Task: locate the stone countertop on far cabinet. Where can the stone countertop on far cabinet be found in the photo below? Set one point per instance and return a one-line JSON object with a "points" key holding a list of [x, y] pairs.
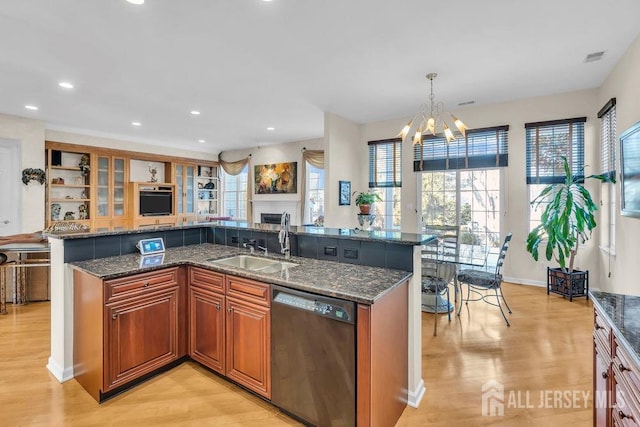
{"points": [[623, 313], [352, 282]]}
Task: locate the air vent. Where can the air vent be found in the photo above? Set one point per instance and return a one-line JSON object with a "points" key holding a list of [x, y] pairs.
{"points": [[595, 56], [466, 103]]}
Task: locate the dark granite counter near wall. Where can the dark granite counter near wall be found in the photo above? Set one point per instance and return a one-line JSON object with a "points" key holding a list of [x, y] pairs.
{"points": [[623, 313], [357, 283]]}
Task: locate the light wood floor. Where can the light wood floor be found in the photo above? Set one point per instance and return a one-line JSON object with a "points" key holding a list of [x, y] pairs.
{"points": [[547, 349]]}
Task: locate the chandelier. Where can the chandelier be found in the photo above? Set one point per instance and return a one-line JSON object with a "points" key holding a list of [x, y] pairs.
{"points": [[428, 121]]}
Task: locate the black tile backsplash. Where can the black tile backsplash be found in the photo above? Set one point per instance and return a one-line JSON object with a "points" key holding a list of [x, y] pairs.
{"points": [[375, 254]]}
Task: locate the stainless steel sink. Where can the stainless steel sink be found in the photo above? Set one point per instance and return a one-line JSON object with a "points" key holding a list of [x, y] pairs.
{"points": [[253, 263]]}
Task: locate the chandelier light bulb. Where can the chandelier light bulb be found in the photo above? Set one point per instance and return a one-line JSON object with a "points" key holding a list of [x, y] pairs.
{"points": [[417, 138], [431, 125], [447, 133], [461, 126], [405, 130]]}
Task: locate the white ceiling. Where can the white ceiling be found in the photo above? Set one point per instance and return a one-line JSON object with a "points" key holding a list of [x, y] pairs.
{"points": [[250, 64]]}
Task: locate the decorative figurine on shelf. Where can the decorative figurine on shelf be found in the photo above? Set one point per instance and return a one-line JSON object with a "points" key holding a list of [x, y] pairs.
{"points": [[82, 210], [55, 211], [69, 215], [84, 164], [153, 171]]}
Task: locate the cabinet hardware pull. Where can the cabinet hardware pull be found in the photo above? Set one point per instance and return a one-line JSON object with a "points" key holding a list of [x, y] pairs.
{"points": [[623, 415], [146, 284], [623, 368], [599, 327], [218, 307], [114, 316], [229, 310], [605, 375]]}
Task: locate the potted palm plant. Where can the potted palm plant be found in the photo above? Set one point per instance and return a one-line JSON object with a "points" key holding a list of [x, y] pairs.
{"points": [[364, 200], [566, 221]]}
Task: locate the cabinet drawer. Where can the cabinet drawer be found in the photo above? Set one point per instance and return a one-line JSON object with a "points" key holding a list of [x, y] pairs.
{"points": [[139, 284], [624, 411], [248, 290], [602, 330], [206, 279], [626, 368]]}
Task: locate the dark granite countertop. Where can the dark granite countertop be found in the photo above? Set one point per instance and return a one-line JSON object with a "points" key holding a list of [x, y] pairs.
{"points": [[357, 283], [623, 312], [397, 237]]}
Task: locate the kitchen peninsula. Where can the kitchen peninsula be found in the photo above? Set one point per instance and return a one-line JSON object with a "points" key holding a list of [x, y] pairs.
{"points": [[371, 267]]}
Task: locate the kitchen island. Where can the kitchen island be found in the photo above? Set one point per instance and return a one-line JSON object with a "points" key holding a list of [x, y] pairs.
{"points": [[391, 250], [150, 311]]}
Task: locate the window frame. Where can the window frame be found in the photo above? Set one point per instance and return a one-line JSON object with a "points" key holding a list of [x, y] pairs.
{"points": [[238, 201]]}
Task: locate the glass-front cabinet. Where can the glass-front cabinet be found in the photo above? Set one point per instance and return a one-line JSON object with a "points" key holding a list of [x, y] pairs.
{"points": [[185, 194], [110, 187]]}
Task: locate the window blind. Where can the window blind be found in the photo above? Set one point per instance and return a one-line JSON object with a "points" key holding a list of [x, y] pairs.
{"points": [[480, 148], [385, 163], [607, 116], [547, 143]]}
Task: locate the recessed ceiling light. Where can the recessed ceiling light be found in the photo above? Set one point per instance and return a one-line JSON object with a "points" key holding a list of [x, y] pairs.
{"points": [[195, 112], [201, 141], [270, 128], [31, 107], [138, 2], [136, 124], [466, 103], [66, 85]]}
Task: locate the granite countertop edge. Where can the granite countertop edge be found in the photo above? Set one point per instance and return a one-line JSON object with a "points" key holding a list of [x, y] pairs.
{"points": [[396, 237], [358, 283], [633, 350]]}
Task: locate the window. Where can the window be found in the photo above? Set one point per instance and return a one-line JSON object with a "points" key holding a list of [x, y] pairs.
{"points": [[234, 195], [547, 143], [462, 185], [471, 198], [385, 177], [315, 196], [607, 116]]}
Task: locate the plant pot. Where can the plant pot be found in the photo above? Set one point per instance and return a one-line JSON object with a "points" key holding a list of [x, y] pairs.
{"points": [[574, 284], [365, 209]]}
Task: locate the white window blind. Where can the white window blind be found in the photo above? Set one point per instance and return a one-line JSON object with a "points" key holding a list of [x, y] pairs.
{"points": [[385, 163], [607, 116]]}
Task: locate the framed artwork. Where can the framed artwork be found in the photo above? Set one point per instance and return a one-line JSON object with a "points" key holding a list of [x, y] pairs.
{"points": [[344, 191], [276, 178], [630, 171]]}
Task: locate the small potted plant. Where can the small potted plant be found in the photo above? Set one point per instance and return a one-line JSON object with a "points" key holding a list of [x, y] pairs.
{"points": [[364, 200], [566, 221]]}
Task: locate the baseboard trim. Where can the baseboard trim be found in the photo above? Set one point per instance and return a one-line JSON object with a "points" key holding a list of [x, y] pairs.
{"points": [[57, 371], [416, 395]]}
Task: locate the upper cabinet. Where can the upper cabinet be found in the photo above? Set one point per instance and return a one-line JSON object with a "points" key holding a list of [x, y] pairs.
{"points": [[208, 186], [184, 178], [110, 178], [68, 195]]}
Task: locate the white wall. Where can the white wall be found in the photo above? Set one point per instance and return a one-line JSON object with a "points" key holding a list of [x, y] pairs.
{"points": [[623, 83], [30, 134], [346, 159]]}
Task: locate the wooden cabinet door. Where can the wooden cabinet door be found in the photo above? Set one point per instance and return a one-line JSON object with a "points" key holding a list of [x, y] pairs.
{"points": [[141, 335], [601, 403], [248, 337], [206, 328]]}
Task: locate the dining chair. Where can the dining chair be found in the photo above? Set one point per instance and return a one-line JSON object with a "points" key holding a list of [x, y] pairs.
{"points": [[437, 274], [481, 281]]}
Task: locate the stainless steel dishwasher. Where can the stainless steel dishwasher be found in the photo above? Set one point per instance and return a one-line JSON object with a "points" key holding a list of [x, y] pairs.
{"points": [[313, 340]]}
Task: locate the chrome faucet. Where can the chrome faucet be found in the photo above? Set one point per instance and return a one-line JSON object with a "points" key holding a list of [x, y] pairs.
{"points": [[251, 244], [283, 236]]}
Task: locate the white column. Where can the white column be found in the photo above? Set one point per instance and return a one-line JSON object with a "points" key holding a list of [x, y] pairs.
{"points": [[60, 362], [416, 383]]}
